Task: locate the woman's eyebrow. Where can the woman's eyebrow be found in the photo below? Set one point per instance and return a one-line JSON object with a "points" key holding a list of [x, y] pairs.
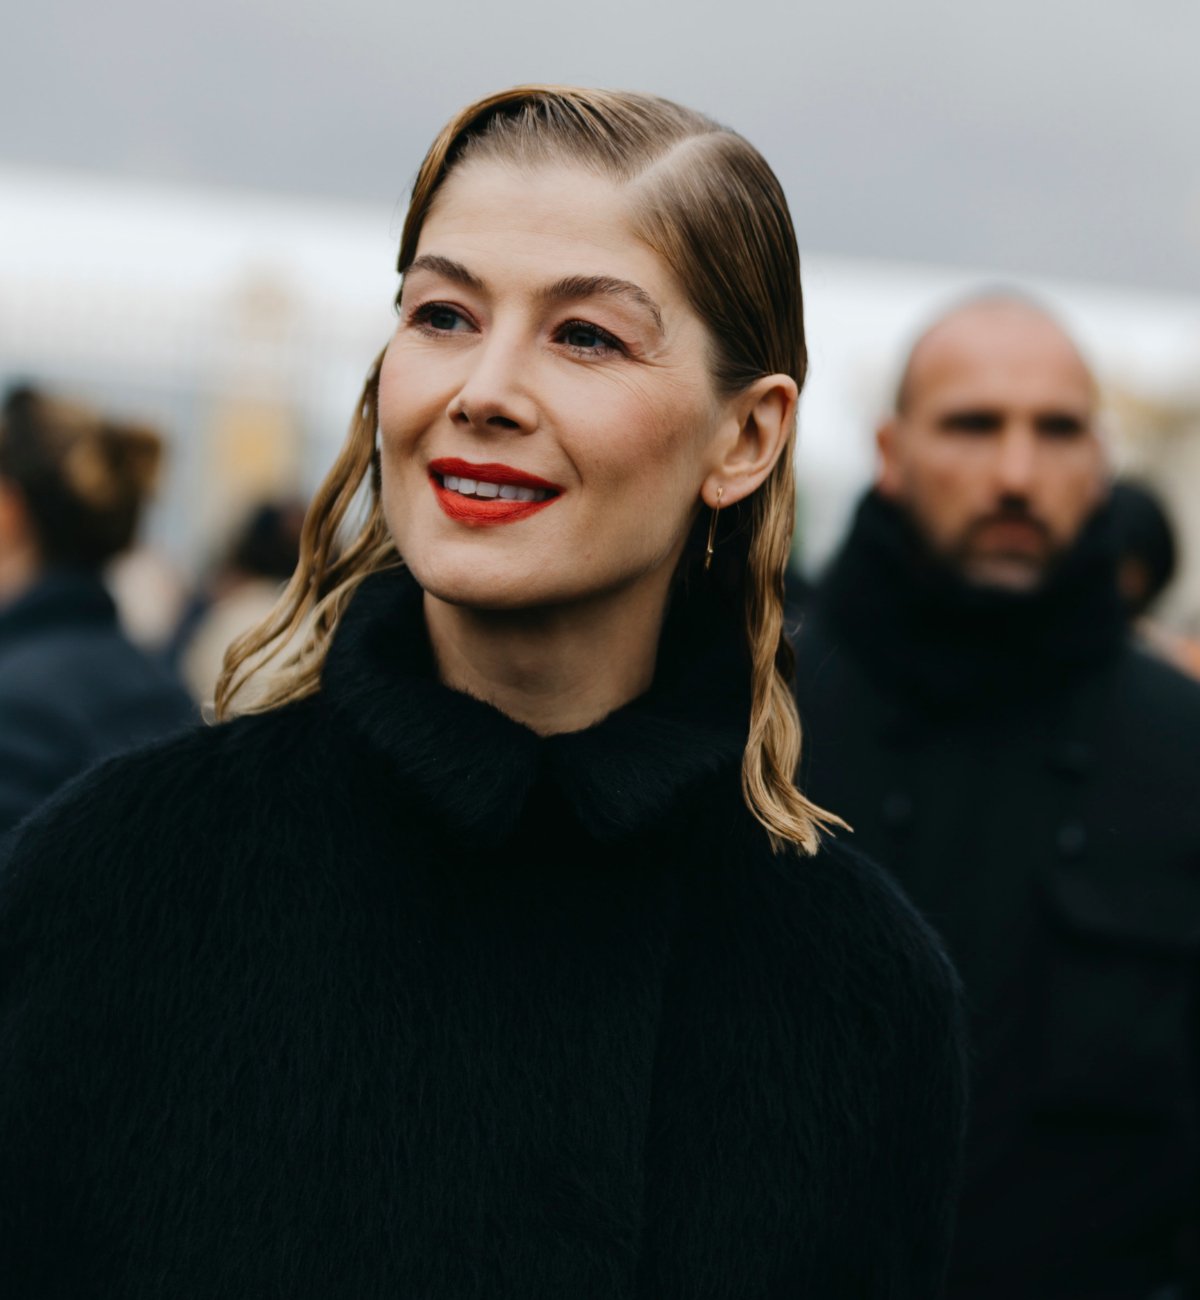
{"points": [[588, 286], [570, 286], [446, 267]]}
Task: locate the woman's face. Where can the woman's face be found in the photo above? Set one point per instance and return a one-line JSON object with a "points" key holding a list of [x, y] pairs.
{"points": [[546, 410]]}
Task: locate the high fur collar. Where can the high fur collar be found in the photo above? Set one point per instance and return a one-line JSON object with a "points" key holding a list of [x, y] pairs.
{"points": [[919, 627], [475, 768]]}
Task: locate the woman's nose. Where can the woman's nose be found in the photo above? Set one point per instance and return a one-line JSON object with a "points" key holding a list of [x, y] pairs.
{"points": [[495, 393]]}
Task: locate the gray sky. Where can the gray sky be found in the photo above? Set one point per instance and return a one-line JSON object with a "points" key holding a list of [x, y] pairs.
{"points": [[1048, 136]]}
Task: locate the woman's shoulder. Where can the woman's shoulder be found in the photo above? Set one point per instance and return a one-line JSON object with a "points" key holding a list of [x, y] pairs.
{"points": [[841, 915], [864, 969], [861, 894], [126, 816]]}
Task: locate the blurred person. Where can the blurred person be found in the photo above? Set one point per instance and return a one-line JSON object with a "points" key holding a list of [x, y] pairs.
{"points": [[495, 953], [1146, 549], [976, 709], [72, 688], [241, 593], [1146, 557], [152, 597]]}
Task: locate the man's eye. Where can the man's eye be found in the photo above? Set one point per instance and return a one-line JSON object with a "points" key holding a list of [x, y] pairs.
{"points": [[972, 422], [1060, 426]]}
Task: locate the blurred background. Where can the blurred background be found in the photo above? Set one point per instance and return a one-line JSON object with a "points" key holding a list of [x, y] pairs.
{"points": [[200, 205]]}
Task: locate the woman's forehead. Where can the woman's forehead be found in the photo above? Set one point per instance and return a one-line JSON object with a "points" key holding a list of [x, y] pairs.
{"points": [[549, 219]]}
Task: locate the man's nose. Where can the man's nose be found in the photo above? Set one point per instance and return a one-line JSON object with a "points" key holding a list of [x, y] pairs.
{"points": [[1016, 466], [495, 393]]}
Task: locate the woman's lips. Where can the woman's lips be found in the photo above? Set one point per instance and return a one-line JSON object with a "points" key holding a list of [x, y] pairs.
{"points": [[488, 494]]}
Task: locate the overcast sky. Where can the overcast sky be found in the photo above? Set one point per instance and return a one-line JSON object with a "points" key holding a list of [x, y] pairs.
{"points": [[1057, 137]]}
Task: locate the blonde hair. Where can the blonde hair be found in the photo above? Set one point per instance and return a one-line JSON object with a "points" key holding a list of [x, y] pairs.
{"points": [[705, 200]]}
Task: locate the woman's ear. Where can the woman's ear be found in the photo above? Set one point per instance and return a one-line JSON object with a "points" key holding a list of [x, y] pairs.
{"points": [[751, 439]]}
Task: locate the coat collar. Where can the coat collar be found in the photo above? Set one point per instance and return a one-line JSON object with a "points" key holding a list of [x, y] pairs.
{"points": [[476, 768], [917, 626], [62, 598]]}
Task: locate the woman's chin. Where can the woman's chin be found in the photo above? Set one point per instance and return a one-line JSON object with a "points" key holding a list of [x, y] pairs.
{"points": [[496, 588]]}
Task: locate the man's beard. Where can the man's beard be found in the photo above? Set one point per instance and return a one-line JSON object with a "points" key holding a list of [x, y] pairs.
{"points": [[1013, 568]]}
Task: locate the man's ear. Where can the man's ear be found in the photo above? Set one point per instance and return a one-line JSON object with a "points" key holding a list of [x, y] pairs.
{"points": [[887, 470], [752, 439]]}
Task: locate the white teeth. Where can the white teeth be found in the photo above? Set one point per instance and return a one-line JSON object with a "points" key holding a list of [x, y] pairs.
{"points": [[480, 488]]}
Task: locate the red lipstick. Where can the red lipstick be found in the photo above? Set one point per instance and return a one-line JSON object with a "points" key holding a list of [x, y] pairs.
{"points": [[478, 511]]}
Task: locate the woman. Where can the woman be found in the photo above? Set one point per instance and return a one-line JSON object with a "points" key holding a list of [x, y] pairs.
{"points": [[499, 955], [73, 689]]}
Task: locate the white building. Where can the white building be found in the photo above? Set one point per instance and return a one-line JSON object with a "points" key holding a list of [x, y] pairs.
{"points": [[243, 325]]}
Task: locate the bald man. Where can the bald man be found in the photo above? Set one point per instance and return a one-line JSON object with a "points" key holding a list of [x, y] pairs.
{"points": [[993, 448], [974, 707]]}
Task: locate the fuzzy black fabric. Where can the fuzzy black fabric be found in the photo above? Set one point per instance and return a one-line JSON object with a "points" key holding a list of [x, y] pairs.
{"points": [[73, 690], [381, 995], [949, 645], [1030, 778]]}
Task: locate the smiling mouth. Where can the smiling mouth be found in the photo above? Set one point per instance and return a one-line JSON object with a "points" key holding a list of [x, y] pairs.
{"points": [[480, 495], [482, 490]]}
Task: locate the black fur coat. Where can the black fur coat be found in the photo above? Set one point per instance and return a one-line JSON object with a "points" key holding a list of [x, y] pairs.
{"points": [[381, 995]]}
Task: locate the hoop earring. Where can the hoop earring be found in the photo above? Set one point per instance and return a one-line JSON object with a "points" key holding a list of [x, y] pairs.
{"points": [[712, 531]]}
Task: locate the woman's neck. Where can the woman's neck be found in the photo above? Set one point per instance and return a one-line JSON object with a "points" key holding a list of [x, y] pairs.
{"points": [[554, 670]]}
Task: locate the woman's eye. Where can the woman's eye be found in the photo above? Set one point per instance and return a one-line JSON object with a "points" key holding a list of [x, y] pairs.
{"points": [[583, 337], [438, 317]]}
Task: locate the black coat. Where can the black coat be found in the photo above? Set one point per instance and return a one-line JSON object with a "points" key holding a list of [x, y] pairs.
{"points": [[1033, 781], [381, 995], [73, 690]]}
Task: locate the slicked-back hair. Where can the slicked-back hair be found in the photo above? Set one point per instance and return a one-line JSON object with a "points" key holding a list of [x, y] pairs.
{"points": [[706, 202]]}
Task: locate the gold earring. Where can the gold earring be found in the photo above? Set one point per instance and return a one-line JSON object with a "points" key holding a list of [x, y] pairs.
{"points": [[712, 531]]}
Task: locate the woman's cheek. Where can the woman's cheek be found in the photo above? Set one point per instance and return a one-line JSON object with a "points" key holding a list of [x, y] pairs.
{"points": [[664, 442]]}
